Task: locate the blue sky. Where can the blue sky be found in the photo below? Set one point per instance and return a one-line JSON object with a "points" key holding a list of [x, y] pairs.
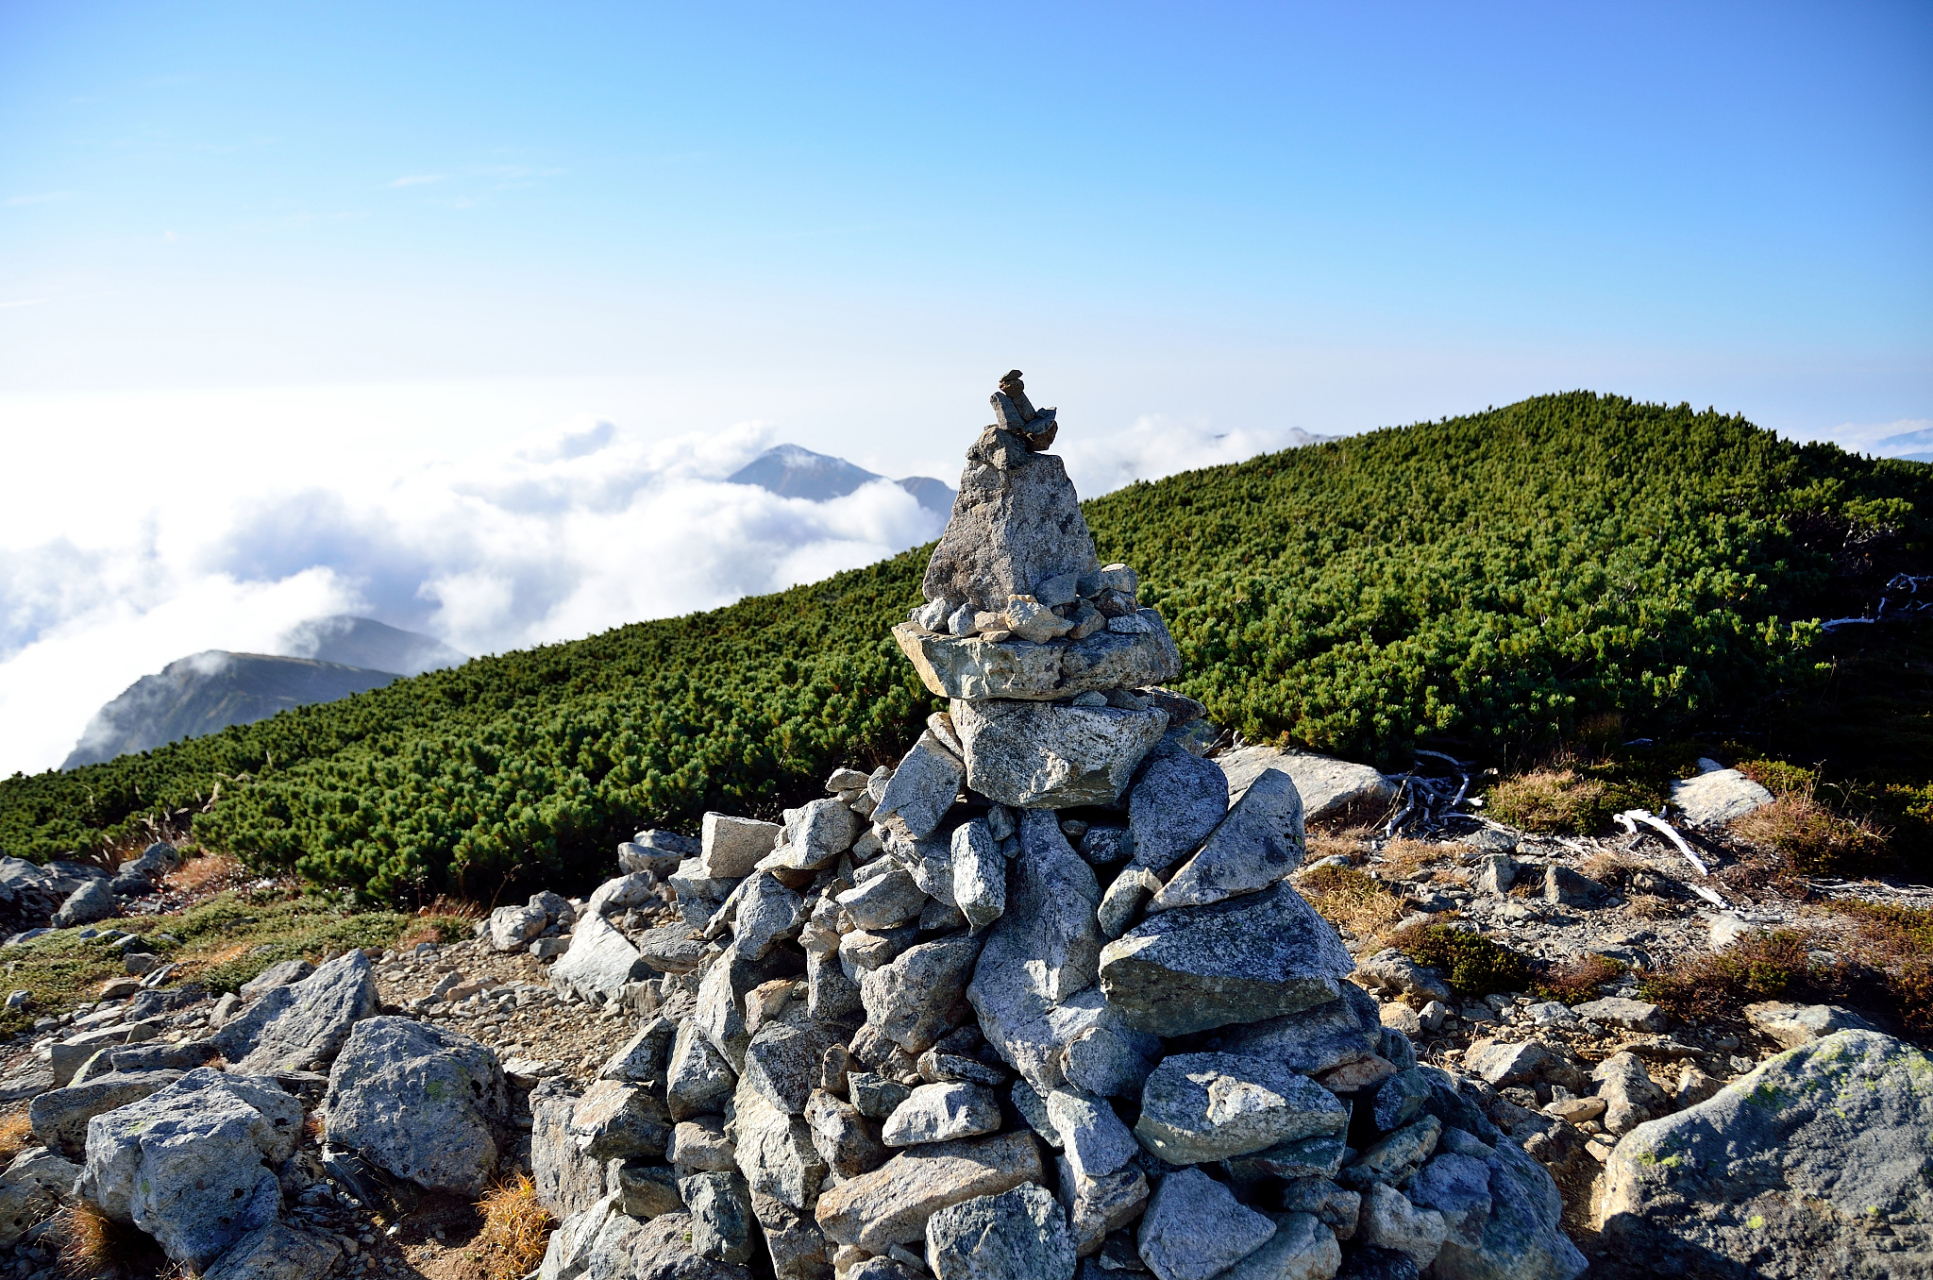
{"points": [[314, 257]]}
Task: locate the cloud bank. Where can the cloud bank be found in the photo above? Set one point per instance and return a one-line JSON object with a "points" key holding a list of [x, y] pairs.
{"points": [[560, 535]]}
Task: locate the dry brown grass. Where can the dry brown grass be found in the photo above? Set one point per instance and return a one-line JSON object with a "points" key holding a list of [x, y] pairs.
{"points": [[208, 873], [1609, 867], [1352, 900], [515, 1230], [16, 1135], [1649, 906], [1549, 800], [1409, 859], [1811, 838], [95, 1247], [1328, 844], [1895, 944], [444, 920]]}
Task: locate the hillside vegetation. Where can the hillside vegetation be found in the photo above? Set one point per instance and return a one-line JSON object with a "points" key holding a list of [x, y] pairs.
{"points": [[1485, 582]]}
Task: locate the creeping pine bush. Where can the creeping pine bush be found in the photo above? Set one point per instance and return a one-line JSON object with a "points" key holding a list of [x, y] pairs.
{"points": [[1473, 964], [1493, 580]]}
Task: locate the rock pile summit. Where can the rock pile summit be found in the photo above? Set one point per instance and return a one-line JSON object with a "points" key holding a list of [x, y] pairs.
{"points": [[1038, 1001]]}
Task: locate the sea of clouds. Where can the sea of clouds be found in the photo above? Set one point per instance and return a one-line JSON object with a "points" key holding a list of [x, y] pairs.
{"points": [[557, 536]]}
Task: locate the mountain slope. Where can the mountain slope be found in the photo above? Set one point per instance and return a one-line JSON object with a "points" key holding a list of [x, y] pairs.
{"points": [[208, 692], [1483, 582], [792, 472]]}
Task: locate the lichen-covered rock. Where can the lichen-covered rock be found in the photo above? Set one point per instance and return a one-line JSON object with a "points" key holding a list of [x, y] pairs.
{"points": [[1196, 968], [1717, 796], [775, 1151], [193, 1164], [721, 1215], [567, 1180], [661, 1249], [1329, 788], [1391, 1222], [1302, 1248], [302, 1026], [979, 874], [1016, 1235], [1173, 806], [1811, 1165], [615, 1119], [59, 1117], [1014, 527], [1255, 845], [923, 787], [1195, 1229], [782, 1060], [1202, 1107], [729, 847], [891, 1204], [420, 1101], [1041, 755], [978, 668], [914, 999], [697, 1077]]}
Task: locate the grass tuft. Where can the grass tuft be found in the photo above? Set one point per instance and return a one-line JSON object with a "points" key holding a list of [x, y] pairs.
{"points": [[1352, 900], [1811, 838], [16, 1135], [515, 1230], [94, 1246]]}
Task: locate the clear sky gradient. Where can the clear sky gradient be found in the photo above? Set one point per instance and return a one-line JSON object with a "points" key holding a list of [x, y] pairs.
{"points": [[311, 253]]}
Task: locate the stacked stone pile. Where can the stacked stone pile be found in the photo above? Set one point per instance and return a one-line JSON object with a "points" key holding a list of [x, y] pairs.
{"points": [[1038, 1001]]}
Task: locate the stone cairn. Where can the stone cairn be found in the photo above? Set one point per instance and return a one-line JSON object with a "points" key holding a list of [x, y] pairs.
{"points": [[1039, 1001]]}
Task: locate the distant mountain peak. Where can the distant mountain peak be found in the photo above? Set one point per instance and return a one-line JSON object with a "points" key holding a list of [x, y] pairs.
{"points": [[795, 472], [369, 644]]}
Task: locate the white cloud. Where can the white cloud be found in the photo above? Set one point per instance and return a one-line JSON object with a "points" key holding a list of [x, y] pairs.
{"points": [[416, 179], [1157, 446], [1899, 438], [228, 543]]}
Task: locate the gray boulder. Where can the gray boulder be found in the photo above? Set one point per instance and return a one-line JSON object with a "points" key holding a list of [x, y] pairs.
{"points": [[1016, 1235], [624, 1248], [1390, 1221], [923, 787], [1195, 1229], [91, 902], [768, 913], [977, 668], [775, 1151], [815, 833], [194, 1164], [843, 1136], [1195, 968], [730, 846], [601, 962], [302, 1026], [643, 1189], [1717, 796], [642, 1058], [277, 1251], [885, 901], [512, 927], [1522, 1237], [721, 1215], [979, 874], [59, 1117], [891, 1204], [1015, 525], [1258, 843], [1313, 1040], [1177, 801], [941, 1113], [914, 999], [782, 1060], [1302, 1248], [1201, 1107], [1791, 1025], [1811, 1165], [1329, 788], [281, 974], [568, 1180], [616, 1120], [698, 1079], [420, 1101], [1040, 755], [31, 1190]]}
